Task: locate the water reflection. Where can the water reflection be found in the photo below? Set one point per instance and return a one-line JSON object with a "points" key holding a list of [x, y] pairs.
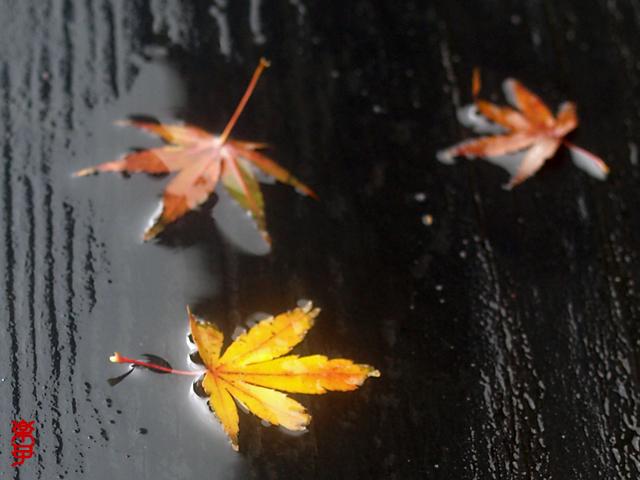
{"points": [[140, 306], [237, 226]]}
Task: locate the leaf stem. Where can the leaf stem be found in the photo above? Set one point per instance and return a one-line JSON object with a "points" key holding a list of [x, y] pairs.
{"points": [[476, 83], [117, 358], [243, 101]]}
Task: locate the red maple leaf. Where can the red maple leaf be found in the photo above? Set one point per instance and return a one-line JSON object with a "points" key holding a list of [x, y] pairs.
{"points": [[530, 127], [201, 160]]}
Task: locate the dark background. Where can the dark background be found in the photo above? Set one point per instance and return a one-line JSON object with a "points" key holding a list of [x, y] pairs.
{"points": [[506, 332]]}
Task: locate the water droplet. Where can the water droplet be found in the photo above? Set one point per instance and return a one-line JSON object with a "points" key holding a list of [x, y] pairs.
{"points": [[237, 332], [420, 197], [305, 304], [155, 51], [256, 318]]}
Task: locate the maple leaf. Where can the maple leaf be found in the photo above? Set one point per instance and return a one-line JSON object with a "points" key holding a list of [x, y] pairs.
{"points": [[202, 159], [253, 368], [529, 127]]}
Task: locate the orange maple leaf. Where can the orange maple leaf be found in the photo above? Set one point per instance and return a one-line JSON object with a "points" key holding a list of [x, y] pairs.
{"points": [[252, 370], [202, 159], [530, 127]]}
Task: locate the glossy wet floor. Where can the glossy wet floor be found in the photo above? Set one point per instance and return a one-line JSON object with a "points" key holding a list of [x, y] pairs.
{"points": [[505, 327]]}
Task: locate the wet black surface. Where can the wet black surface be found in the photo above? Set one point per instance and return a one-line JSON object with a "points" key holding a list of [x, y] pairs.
{"points": [[506, 332]]}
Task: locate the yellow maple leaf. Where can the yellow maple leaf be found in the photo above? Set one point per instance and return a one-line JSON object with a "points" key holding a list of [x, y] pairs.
{"points": [[253, 369]]}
